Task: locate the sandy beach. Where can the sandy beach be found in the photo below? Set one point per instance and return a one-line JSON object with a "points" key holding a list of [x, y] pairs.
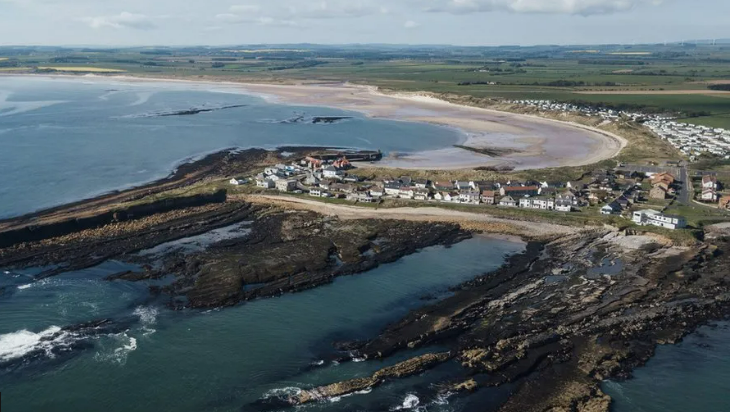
{"points": [[530, 142], [534, 142]]}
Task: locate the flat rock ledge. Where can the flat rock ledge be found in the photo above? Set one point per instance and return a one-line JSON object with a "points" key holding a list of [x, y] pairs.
{"points": [[403, 369]]}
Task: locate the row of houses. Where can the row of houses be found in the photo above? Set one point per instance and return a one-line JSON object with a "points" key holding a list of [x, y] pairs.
{"points": [[535, 195]]}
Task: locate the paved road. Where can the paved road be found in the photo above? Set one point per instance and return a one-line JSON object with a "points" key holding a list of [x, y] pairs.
{"points": [[687, 189]]}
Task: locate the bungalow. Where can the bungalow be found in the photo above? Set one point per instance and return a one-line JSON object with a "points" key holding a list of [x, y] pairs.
{"points": [[488, 197], [285, 185], [653, 217], [238, 181], [507, 201], [610, 209], [266, 183], [469, 196]]}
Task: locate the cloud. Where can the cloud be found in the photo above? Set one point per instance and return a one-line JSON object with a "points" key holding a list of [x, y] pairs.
{"points": [[333, 9], [229, 18], [122, 20], [578, 7], [261, 20], [270, 21], [245, 8], [410, 24]]}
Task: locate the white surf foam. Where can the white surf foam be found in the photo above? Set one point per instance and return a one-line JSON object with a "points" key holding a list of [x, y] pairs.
{"points": [[18, 344], [148, 317], [410, 401], [122, 345]]}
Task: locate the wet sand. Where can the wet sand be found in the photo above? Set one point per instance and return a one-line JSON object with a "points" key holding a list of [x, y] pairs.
{"points": [[531, 142], [534, 142]]}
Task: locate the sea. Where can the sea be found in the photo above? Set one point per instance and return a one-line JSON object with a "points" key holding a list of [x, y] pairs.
{"points": [[65, 139]]}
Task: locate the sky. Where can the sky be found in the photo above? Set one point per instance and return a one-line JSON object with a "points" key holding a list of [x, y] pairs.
{"points": [[459, 22]]}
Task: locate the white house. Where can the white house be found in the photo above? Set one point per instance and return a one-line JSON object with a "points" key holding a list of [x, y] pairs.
{"points": [[238, 181], [421, 194], [709, 194], [444, 196], [653, 217], [709, 182], [524, 202], [266, 183], [406, 192], [469, 196], [543, 203], [331, 172]]}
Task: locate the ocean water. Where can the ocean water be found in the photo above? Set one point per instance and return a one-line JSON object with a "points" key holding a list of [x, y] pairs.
{"points": [[693, 375], [64, 139], [220, 360]]}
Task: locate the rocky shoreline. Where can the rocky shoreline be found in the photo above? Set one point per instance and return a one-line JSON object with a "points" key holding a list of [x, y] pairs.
{"points": [[572, 310], [560, 318]]}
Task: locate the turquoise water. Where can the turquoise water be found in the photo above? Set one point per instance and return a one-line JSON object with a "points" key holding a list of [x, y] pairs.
{"points": [[691, 376], [222, 360], [66, 139]]}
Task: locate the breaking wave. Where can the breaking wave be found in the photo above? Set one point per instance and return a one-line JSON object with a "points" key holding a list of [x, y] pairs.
{"points": [[50, 341], [148, 317], [410, 401]]}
